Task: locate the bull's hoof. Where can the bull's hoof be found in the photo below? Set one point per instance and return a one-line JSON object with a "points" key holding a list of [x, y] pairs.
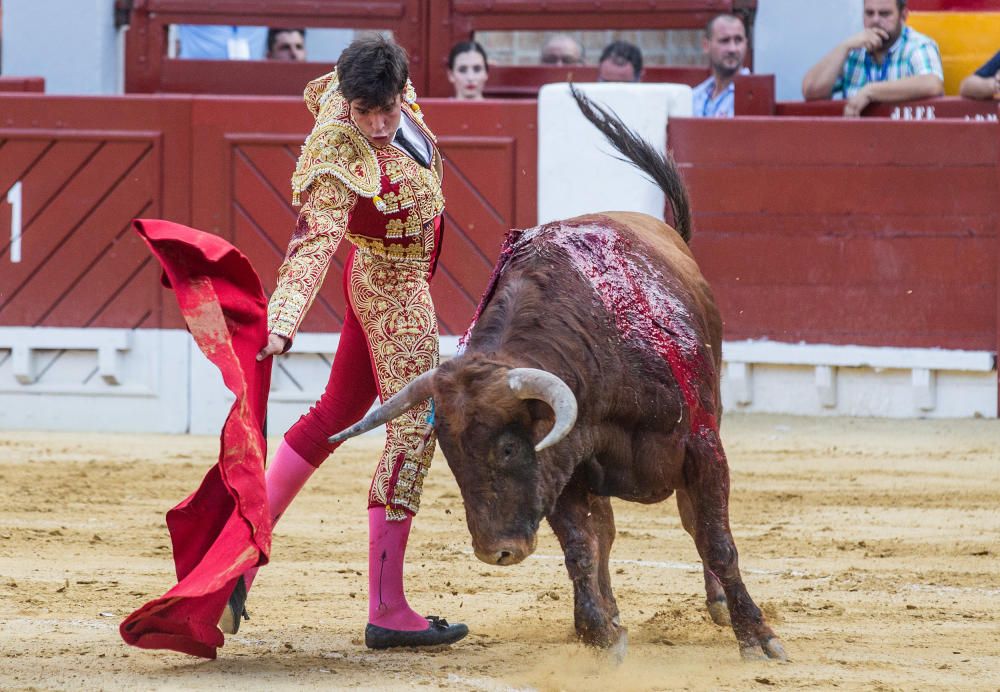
{"points": [[616, 652], [772, 649], [719, 612]]}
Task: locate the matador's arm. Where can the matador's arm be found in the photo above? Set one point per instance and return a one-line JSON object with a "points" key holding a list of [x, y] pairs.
{"points": [[321, 226]]}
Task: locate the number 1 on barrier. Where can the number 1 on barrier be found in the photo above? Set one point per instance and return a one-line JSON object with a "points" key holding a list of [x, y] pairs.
{"points": [[14, 200]]}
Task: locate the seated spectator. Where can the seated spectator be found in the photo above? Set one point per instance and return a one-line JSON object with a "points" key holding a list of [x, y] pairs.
{"points": [[217, 42], [620, 62], [984, 83], [725, 44], [562, 49], [885, 63], [286, 44], [468, 70]]}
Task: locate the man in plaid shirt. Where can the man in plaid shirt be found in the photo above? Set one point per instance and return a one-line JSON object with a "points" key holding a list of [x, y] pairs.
{"points": [[885, 63]]}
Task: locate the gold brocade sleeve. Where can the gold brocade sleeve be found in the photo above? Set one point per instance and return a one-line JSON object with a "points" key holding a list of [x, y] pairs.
{"points": [[321, 226]]}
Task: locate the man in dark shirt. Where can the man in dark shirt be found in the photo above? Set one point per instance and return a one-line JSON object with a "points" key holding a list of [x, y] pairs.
{"points": [[984, 83]]}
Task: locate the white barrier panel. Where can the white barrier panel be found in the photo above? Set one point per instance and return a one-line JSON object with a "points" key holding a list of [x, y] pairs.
{"points": [[114, 380], [120, 380], [579, 172], [298, 378], [866, 381]]}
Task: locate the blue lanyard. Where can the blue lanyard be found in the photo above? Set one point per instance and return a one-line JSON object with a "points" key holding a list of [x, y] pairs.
{"points": [[883, 72], [708, 101]]}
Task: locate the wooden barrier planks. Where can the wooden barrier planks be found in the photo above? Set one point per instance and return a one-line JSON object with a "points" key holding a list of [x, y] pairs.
{"points": [[876, 233]]}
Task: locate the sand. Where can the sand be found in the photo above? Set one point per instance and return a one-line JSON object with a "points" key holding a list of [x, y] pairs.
{"points": [[871, 545]]}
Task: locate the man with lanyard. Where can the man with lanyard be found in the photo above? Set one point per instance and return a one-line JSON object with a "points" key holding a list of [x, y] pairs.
{"points": [[725, 44], [887, 62]]}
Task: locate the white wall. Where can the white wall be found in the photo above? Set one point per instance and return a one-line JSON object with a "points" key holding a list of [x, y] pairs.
{"points": [[326, 45], [73, 44], [790, 36], [579, 172], [148, 380]]}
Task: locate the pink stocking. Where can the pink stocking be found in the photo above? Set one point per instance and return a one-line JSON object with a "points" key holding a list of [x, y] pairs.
{"points": [[284, 478], [387, 606]]}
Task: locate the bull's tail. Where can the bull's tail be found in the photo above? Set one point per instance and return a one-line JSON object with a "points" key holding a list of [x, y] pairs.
{"points": [[658, 166]]}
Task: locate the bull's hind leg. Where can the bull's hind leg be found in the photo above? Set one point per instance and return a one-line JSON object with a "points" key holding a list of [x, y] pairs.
{"points": [[585, 527], [715, 596], [706, 474]]}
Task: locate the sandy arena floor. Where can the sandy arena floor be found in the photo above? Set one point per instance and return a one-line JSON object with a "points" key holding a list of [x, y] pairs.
{"points": [[871, 545]]}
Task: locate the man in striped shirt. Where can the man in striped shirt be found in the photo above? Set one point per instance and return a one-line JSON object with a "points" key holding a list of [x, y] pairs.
{"points": [[885, 63]]}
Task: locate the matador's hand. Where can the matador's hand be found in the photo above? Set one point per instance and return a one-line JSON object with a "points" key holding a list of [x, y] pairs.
{"points": [[275, 345]]}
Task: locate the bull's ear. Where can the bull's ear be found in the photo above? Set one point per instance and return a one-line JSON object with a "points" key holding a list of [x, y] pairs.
{"points": [[542, 420]]}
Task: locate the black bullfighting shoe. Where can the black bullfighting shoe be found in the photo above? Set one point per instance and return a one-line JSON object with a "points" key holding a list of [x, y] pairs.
{"points": [[236, 609], [438, 633]]}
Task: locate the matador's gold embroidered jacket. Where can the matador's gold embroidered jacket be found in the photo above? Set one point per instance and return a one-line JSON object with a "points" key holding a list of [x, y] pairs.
{"points": [[383, 201]]}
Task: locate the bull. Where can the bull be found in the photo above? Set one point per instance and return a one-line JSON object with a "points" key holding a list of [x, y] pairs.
{"points": [[592, 371]]}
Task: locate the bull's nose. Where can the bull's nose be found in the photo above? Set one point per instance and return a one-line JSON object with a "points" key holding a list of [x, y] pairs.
{"points": [[503, 556], [508, 551]]}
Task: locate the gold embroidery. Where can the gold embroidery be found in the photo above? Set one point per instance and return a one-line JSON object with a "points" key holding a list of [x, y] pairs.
{"points": [[393, 170], [321, 226], [373, 246], [393, 303], [337, 148], [398, 201], [399, 228]]}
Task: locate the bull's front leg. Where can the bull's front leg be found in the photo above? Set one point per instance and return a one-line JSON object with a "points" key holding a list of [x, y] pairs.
{"points": [[585, 527]]}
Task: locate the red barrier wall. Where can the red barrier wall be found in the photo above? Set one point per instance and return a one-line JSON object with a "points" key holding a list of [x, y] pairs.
{"points": [[87, 166], [829, 231], [878, 233]]}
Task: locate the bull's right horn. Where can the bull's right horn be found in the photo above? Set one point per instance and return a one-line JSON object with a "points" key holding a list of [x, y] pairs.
{"points": [[406, 398], [532, 383]]}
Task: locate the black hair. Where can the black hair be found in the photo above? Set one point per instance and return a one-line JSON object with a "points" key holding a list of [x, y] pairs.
{"points": [[373, 70], [272, 35], [624, 51], [901, 5], [466, 47], [711, 22]]}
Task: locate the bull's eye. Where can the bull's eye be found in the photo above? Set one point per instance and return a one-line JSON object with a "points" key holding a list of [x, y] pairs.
{"points": [[508, 450]]}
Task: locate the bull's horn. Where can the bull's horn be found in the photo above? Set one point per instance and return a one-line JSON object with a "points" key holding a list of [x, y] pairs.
{"points": [[531, 383], [409, 396]]}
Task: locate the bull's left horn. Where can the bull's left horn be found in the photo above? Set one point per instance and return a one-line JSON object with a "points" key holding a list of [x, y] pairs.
{"points": [[531, 383], [406, 398]]}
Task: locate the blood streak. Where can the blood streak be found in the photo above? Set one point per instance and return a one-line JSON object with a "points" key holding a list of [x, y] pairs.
{"points": [[643, 301]]}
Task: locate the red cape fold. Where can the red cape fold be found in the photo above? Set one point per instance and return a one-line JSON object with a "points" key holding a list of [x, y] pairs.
{"points": [[224, 527]]}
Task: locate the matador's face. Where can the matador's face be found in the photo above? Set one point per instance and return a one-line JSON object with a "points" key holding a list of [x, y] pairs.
{"points": [[377, 123]]}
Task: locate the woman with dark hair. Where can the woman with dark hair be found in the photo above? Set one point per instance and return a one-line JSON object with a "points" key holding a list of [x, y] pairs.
{"points": [[370, 173], [468, 70]]}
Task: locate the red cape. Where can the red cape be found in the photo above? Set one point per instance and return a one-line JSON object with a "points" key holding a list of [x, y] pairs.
{"points": [[224, 528]]}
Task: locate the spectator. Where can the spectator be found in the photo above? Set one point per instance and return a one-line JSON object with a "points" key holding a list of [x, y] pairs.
{"points": [[286, 44], [216, 42], [725, 44], [562, 49], [468, 70], [886, 62], [984, 83], [620, 62]]}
